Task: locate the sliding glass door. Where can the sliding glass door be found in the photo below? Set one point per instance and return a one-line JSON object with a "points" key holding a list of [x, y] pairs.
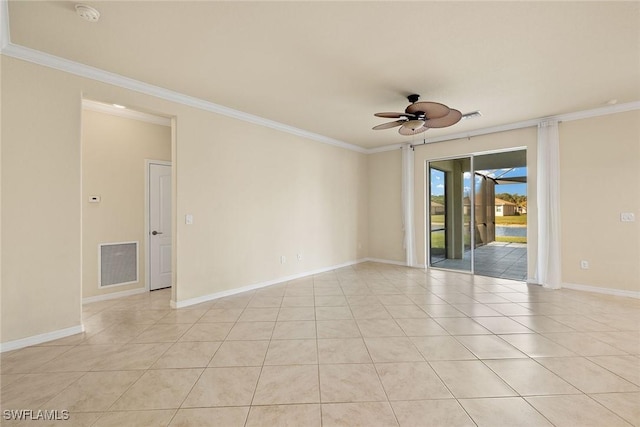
{"points": [[477, 214], [501, 214], [450, 214]]}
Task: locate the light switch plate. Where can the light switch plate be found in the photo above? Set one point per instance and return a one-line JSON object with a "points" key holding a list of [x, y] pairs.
{"points": [[188, 219], [627, 217]]}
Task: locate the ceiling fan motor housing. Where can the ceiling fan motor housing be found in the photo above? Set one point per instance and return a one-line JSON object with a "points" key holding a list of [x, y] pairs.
{"points": [[420, 116]]}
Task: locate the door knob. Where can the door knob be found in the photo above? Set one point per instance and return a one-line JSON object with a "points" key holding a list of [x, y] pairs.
{"points": [[154, 232]]}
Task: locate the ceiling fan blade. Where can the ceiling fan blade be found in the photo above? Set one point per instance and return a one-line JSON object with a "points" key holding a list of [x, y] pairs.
{"points": [[452, 118], [393, 115], [389, 125], [408, 131], [432, 110]]}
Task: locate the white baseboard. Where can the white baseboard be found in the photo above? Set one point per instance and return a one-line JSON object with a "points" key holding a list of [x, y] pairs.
{"points": [[392, 262], [114, 295], [386, 261], [599, 290], [39, 339], [229, 292]]}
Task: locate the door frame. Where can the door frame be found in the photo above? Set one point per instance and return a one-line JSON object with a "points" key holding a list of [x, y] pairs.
{"points": [[427, 212], [427, 204], [147, 257]]}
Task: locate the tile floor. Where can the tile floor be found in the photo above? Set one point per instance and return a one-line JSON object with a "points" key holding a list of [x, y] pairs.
{"points": [[505, 260], [368, 345], [495, 259]]}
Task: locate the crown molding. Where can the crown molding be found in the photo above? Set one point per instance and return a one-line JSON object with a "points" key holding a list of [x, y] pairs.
{"points": [[51, 61], [125, 112], [5, 35], [578, 115], [384, 148], [86, 71], [596, 112]]}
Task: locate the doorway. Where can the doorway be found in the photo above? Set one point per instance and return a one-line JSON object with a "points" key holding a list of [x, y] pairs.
{"points": [[478, 214], [159, 224], [115, 146]]}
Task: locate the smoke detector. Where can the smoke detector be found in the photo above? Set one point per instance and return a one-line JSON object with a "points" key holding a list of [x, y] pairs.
{"points": [[89, 13]]}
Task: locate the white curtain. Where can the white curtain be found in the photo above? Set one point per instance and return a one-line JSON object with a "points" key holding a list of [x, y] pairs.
{"points": [[408, 204], [548, 262]]}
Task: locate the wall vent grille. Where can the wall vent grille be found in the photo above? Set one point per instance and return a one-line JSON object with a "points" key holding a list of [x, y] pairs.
{"points": [[118, 263]]}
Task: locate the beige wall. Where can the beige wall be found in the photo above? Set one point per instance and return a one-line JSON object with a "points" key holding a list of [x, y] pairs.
{"points": [[1, 136], [114, 150], [385, 206], [40, 201], [600, 178], [255, 194], [476, 145]]}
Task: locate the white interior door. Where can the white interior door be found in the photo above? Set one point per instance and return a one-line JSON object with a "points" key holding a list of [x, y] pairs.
{"points": [[159, 226]]}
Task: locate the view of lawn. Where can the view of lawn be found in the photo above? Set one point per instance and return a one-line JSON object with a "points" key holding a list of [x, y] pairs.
{"points": [[500, 220], [437, 241], [437, 219], [512, 220], [437, 238]]}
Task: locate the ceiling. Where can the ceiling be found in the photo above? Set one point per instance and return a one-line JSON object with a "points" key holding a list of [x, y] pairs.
{"points": [[326, 67], [505, 159]]}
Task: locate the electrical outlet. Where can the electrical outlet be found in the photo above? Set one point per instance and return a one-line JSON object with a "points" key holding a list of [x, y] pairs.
{"points": [[283, 259], [584, 264], [299, 257]]}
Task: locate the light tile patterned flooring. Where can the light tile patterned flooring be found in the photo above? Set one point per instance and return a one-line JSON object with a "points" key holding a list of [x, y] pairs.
{"points": [[368, 345], [495, 259], [505, 260]]}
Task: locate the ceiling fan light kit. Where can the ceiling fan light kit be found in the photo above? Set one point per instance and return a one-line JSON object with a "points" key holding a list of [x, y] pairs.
{"points": [[412, 124], [420, 116]]}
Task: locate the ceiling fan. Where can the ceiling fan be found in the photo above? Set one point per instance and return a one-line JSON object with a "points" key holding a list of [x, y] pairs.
{"points": [[420, 116]]}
